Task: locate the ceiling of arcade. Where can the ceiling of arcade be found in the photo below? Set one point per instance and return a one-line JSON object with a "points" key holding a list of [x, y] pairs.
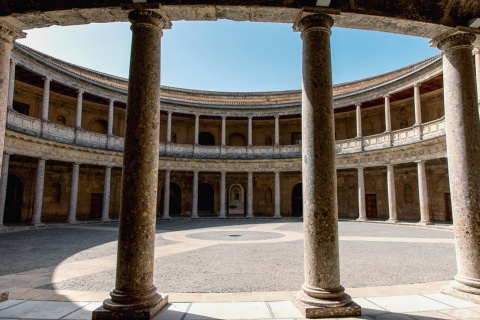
{"points": [[424, 18]]}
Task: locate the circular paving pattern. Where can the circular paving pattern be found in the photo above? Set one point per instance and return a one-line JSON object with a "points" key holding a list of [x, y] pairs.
{"points": [[235, 235]]}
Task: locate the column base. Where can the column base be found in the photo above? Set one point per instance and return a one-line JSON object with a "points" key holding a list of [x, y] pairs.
{"points": [[277, 216], [362, 219], [73, 221], [251, 216], [2, 227], [458, 290], [195, 217], [392, 221], [106, 220], [425, 223], [316, 308], [166, 217], [222, 217], [38, 224], [4, 296], [140, 314]]}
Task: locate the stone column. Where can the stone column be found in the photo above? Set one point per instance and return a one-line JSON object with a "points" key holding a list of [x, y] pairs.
{"points": [[106, 194], [7, 35], [11, 85], [277, 195], [423, 193], [197, 128], [38, 196], [462, 130], [359, 119], [195, 196], [223, 192], [418, 104], [392, 198], [250, 195], [362, 208], [3, 187], [250, 125], [224, 130], [277, 131], [166, 196], [322, 294], [169, 127], [78, 117], [110, 117], [46, 98], [388, 118], [477, 72], [135, 296], [72, 208]]}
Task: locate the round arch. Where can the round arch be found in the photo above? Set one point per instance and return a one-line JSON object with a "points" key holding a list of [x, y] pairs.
{"points": [[175, 201], [206, 139], [14, 200]]}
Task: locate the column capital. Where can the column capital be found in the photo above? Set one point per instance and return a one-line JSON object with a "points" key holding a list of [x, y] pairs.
{"points": [[387, 96], [276, 116], [46, 78], [112, 101], [450, 41], [224, 117], [318, 21], [76, 163], [109, 166], [196, 171], [169, 171], [79, 91], [8, 33], [417, 85], [476, 50], [358, 104], [13, 62], [169, 112], [197, 115], [389, 165], [152, 17], [420, 161], [250, 117], [360, 168]]}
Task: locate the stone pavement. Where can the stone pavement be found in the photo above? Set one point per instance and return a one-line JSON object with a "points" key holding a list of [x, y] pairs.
{"points": [[253, 266]]}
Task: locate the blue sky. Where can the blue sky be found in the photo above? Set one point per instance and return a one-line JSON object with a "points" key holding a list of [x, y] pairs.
{"points": [[231, 56]]}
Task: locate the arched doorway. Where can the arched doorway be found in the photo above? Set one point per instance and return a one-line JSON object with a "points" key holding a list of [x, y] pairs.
{"points": [[205, 199], [175, 206], [236, 200], [206, 139], [237, 140], [14, 200], [297, 201]]}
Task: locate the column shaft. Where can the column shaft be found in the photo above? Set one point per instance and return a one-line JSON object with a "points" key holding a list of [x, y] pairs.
{"points": [[423, 193], [418, 104], [3, 187], [322, 294], [359, 119], [169, 127], [72, 209], [277, 213], [78, 117], [224, 130], [11, 85], [223, 188], [362, 208], [477, 72], [195, 195], [38, 196], [392, 198], [250, 195], [463, 135], [46, 98], [197, 128], [110, 117], [277, 131], [388, 119], [134, 293], [106, 194], [250, 130], [166, 196]]}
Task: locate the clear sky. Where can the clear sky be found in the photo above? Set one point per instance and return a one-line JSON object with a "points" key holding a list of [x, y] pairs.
{"points": [[230, 56]]}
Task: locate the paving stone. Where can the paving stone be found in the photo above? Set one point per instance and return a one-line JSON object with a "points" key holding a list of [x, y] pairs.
{"points": [[9, 303], [85, 312], [42, 309], [240, 310], [284, 309], [451, 301], [462, 314], [411, 303], [173, 311]]}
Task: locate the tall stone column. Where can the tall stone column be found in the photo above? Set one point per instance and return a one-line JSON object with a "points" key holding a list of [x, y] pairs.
{"points": [[166, 196], [250, 195], [38, 196], [277, 213], [195, 196], [388, 118], [477, 72], [78, 117], [462, 130], [322, 294], [7, 34], [3, 187], [135, 296], [423, 193], [277, 131], [197, 128], [46, 98], [224, 130], [110, 117], [358, 112], [223, 192], [11, 85], [72, 208], [392, 198], [250, 130], [362, 208], [106, 194], [417, 104], [169, 127]]}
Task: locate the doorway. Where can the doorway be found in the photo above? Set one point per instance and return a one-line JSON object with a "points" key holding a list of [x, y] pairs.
{"points": [[14, 200], [297, 200], [236, 200], [448, 207], [175, 205], [206, 200], [96, 204], [371, 204]]}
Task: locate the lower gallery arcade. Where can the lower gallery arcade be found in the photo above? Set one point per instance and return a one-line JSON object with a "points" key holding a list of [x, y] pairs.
{"points": [[402, 149]]}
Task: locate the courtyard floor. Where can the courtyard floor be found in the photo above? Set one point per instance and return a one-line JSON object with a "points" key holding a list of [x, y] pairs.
{"points": [[230, 269]]}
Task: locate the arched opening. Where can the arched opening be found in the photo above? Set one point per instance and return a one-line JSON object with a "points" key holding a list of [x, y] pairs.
{"points": [[206, 139], [56, 191], [205, 199], [175, 206], [98, 126], [236, 200], [297, 201], [268, 141], [237, 139], [14, 200]]}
